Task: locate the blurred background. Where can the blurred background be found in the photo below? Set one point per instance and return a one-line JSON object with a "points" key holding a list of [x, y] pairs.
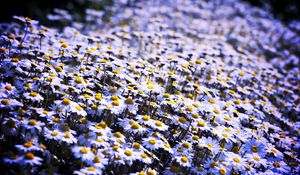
{"points": [[285, 10]]}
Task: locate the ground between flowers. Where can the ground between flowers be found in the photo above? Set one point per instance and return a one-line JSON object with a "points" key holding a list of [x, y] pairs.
{"points": [[162, 88]]}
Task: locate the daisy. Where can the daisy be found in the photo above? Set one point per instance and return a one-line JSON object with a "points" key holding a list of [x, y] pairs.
{"points": [[28, 147], [78, 110], [118, 137], [256, 160], [144, 119], [129, 155], [9, 126], [183, 161], [99, 161], [156, 124], [89, 170], [87, 138], [210, 144], [55, 134], [68, 138], [211, 165], [83, 153], [152, 143], [254, 146], [275, 152], [280, 167], [33, 125], [130, 105], [199, 170], [99, 142], [135, 128], [202, 125], [6, 89], [31, 159], [33, 96], [9, 103], [235, 161], [143, 157], [249, 170]]}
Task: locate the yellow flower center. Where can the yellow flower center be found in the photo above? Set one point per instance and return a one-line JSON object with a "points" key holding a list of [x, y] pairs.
{"points": [[146, 117], [67, 135], [237, 102], [33, 94], [222, 171], [54, 133], [11, 124], [225, 135], [151, 172], [32, 122], [112, 90], [186, 144], [114, 97], [209, 146], [116, 103], [256, 158], [84, 150], [166, 95], [216, 111], [102, 124], [78, 80], [158, 123], [99, 140], [201, 123], [235, 159], [213, 164], [129, 101], [97, 159], [254, 149], [9, 88], [58, 69], [56, 120], [78, 108], [135, 126], [189, 108], [15, 60], [136, 146], [198, 62], [150, 87], [184, 159], [27, 144], [144, 156], [29, 156], [128, 152], [66, 101], [91, 168], [118, 134], [152, 141], [98, 96], [277, 164], [212, 101], [195, 137], [5, 102], [182, 120]]}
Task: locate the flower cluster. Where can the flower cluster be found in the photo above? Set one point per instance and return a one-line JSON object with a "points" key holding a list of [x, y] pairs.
{"points": [[162, 88]]}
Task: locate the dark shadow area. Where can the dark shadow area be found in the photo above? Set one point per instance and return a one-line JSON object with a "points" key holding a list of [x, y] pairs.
{"points": [[38, 9], [285, 10]]}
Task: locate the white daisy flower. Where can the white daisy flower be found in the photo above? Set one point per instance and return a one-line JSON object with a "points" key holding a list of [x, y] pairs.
{"points": [[31, 159], [152, 143], [83, 153]]}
